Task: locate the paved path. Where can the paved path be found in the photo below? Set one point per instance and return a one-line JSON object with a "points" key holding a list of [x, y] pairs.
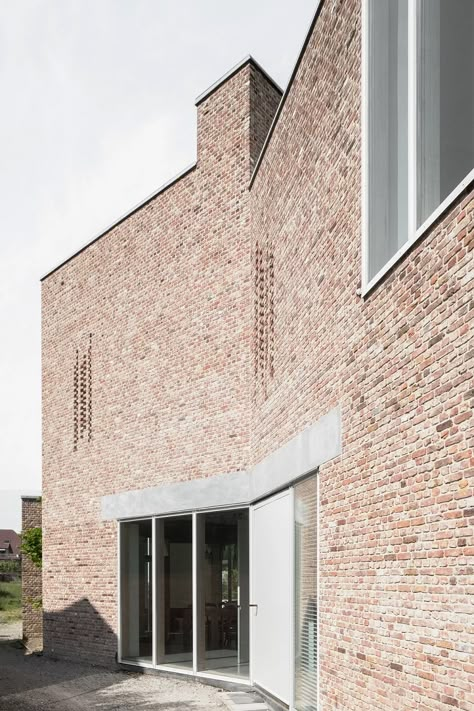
{"points": [[35, 683], [12, 630]]}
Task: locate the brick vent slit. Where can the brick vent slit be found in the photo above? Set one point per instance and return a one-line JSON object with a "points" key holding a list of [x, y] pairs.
{"points": [[264, 318], [82, 396]]}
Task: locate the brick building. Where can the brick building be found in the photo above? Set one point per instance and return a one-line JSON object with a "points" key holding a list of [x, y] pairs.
{"points": [[31, 578], [9, 545], [257, 386]]}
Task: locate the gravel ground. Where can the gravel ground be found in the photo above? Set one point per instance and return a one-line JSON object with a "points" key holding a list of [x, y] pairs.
{"points": [[35, 683]]}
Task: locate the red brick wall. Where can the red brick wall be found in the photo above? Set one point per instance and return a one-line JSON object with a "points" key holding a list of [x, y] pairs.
{"points": [[31, 578], [397, 508], [203, 360], [147, 362]]}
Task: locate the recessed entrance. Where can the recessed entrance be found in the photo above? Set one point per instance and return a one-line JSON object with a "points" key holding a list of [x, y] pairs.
{"points": [[229, 594], [185, 593]]}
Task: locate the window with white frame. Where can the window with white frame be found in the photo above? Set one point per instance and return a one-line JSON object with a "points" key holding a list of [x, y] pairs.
{"points": [[419, 119]]}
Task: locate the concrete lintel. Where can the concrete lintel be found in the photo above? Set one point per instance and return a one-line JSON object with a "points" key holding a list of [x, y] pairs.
{"points": [[210, 492], [304, 453], [316, 444]]}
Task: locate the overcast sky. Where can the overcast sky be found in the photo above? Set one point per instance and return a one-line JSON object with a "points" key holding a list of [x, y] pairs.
{"points": [[98, 111]]}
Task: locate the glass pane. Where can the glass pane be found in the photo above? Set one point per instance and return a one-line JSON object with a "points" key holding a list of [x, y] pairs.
{"points": [[306, 595], [387, 130], [445, 114], [223, 592], [174, 571], [136, 591]]}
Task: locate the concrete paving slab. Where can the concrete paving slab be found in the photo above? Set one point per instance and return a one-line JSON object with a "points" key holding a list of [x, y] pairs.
{"points": [[242, 701], [11, 630]]}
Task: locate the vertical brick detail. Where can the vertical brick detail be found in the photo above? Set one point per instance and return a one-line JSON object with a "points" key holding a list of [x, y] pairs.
{"points": [[89, 389], [264, 333], [75, 402], [82, 395], [31, 576]]}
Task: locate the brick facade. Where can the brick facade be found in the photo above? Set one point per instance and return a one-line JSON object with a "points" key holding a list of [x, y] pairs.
{"points": [[31, 576], [396, 509], [159, 303], [214, 323]]}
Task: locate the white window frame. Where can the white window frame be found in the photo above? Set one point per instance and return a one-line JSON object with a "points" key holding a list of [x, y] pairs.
{"points": [[209, 675], [169, 667], [414, 233]]}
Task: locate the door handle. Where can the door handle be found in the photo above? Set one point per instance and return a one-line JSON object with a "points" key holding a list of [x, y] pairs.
{"points": [[252, 604]]}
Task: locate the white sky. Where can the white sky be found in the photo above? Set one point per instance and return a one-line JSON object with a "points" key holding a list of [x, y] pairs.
{"points": [[97, 112]]}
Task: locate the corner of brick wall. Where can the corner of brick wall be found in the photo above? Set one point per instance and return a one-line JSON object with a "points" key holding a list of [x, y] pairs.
{"points": [[31, 576]]}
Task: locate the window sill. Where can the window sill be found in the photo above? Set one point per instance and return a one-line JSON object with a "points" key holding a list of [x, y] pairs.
{"points": [[421, 231]]}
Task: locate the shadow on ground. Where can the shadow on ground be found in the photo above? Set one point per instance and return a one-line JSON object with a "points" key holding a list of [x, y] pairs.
{"points": [[30, 682]]}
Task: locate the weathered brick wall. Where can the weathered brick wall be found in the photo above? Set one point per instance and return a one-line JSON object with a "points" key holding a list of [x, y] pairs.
{"points": [[31, 578], [397, 508], [161, 390], [264, 102], [147, 363]]}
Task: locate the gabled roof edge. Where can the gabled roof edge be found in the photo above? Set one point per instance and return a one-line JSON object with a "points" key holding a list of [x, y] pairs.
{"points": [[228, 75], [287, 91], [247, 60], [123, 217]]}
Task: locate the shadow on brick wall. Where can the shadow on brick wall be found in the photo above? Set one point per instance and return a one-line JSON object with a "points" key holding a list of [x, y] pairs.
{"points": [[79, 633]]}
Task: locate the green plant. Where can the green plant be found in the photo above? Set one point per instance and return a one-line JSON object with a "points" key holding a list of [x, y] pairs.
{"points": [[9, 566], [35, 602], [32, 545], [10, 602]]}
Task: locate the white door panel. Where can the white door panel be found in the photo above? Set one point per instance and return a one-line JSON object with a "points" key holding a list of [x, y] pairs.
{"points": [[272, 578]]}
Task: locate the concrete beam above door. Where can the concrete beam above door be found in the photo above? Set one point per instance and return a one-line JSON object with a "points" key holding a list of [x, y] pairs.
{"points": [[316, 444]]}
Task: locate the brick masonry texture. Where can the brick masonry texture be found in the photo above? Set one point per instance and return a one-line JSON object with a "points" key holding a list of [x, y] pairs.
{"points": [[31, 579], [396, 509], [147, 361], [223, 322]]}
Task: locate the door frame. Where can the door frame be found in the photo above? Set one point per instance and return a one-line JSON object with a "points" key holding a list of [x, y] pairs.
{"points": [[287, 491], [169, 667]]}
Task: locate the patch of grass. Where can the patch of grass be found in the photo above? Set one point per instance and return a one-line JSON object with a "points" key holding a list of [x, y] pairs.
{"points": [[10, 602]]}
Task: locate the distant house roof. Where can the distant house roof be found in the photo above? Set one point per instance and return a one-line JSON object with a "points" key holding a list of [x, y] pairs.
{"points": [[9, 543]]}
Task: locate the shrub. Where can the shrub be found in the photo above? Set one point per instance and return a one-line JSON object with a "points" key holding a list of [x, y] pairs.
{"points": [[10, 566], [32, 545]]}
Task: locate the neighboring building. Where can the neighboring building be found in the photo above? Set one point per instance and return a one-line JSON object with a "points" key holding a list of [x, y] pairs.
{"points": [[31, 578], [9, 545], [258, 389]]}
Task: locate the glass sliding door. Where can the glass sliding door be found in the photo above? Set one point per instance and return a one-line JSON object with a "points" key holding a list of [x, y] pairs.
{"points": [[222, 547], [174, 591], [174, 568], [136, 591]]}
